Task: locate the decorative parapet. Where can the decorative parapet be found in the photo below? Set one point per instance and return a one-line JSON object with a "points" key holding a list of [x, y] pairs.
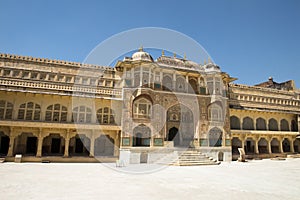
{"points": [[55, 62], [49, 86]]}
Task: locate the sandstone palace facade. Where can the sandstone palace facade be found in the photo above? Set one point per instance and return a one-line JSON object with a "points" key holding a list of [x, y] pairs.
{"points": [[140, 110]]}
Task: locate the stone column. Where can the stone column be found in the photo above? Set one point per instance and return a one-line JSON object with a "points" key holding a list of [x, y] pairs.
{"points": [[40, 144], [280, 145], [269, 145], [11, 145], [292, 150], [256, 146], [243, 143], [67, 142], [92, 144]]}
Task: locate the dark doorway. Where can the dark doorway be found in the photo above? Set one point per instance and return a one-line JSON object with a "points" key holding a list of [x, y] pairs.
{"points": [[174, 136], [55, 145], [31, 145], [4, 145], [138, 139], [78, 146]]}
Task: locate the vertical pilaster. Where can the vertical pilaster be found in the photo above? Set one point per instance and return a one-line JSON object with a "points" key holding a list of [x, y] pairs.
{"points": [[92, 144], [11, 143], [40, 144], [256, 146], [292, 146], [280, 145], [269, 145], [67, 143]]}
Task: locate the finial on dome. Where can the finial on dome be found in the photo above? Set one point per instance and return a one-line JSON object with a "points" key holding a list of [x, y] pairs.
{"points": [[184, 56], [162, 52], [204, 62], [209, 60], [141, 48], [174, 55]]}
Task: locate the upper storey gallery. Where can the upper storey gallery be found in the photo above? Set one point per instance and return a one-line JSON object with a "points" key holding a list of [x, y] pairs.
{"points": [[140, 70]]}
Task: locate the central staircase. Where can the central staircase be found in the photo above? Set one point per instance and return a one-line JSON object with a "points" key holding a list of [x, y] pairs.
{"points": [[187, 157]]}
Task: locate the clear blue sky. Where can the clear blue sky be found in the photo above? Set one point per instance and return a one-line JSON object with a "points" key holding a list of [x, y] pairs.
{"points": [[251, 40]]}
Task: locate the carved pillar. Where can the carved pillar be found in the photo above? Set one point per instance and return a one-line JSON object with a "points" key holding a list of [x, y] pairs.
{"points": [[11, 142], [292, 146], [269, 145], [67, 142], [243, 142], [92, 144], [256, 146], [40, 144], [280, 145]]}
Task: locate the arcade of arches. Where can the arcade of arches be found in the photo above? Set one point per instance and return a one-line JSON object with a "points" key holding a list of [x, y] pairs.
{"points": [[57, 142]]}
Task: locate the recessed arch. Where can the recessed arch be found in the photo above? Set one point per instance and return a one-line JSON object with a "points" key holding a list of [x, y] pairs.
{"points": [[273, 124], [29, 111], [6, 110], [248, 123], [261, 124], [215, 137], [141, 136], [56, 113], [284, 125], [235, 123]]}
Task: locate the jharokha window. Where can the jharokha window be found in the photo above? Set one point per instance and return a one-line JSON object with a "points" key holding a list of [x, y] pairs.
{"points": [[56, 113], [215, 113], [105, 116], [6, 109], [142, 108], [82, 114], [29, 111]]}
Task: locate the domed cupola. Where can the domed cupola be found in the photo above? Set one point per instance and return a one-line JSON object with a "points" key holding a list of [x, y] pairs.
{"points": [[141, 56], [211, 67]]}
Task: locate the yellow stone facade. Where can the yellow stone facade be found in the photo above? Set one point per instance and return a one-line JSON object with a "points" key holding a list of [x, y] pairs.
{"points": [[72, 112]]}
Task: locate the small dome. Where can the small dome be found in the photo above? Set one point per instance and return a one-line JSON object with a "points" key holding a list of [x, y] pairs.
{"points": [[210, 67], [141, 55]]}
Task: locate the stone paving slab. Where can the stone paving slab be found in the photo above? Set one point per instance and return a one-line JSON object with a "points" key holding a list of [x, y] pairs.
{"points": [[258, 179]]}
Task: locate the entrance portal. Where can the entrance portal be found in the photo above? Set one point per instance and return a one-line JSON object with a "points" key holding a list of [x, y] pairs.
{"points": [[31, 145], [174, 136], [4, 145]]}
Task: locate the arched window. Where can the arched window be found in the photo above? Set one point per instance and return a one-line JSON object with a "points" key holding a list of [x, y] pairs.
{"points": [[273, 125], [105, 116], [167, 83], [261, 124], [235, 123], [180, 84], [193, 86], [284, 125], [215, 137], [294, 126], [248, 123], [29, 111], [142, 108], [56, 113], [215, 112], [6, 110], [82, 114]]}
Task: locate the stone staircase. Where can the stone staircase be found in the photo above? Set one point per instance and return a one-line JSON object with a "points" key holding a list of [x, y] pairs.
{"points": [[188, 157]]}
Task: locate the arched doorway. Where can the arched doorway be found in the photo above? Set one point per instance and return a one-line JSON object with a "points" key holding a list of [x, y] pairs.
{"points": [[286, 145], [174, 136], [104, 146], [236, 143], [215, 137], [263, 146], [141, 136], [275, 145], [4, 144], [53, 145], [26, 144], [250, 144], [180, 123], [297, 145], [220, 156], [79, 145]]}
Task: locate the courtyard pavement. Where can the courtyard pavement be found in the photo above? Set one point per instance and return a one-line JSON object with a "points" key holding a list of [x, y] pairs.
{"points": [[257, 179]]}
